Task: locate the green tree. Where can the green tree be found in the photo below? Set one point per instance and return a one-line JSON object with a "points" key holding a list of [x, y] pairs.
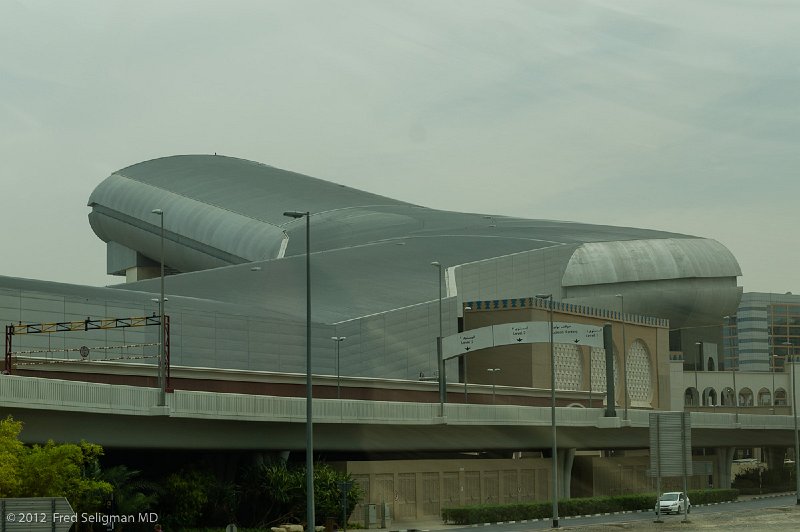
{"points": [[225, 499], [65, 470], [271, 493], [328, 494], [275, 493], [185, 497], [11, 451], [132, 494]]}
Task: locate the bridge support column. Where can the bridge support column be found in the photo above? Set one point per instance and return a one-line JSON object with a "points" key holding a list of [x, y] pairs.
{"points": [[774, 457], [566, 457], [724, 459]]}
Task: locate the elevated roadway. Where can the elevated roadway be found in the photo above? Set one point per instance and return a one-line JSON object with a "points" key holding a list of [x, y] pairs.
{"points": [[116, 415]]}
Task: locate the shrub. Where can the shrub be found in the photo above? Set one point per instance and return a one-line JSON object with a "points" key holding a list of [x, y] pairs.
{"points": [[275, 492], [755, 480], [711, 496], [470, 515]]}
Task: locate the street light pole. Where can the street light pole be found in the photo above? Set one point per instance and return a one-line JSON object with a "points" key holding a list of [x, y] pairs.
{"points": [[464, 358], [338, 340], [772, 393], [493, 371], [793, 359], [162, 377], [624, 354], [735, 394], [728, 322], [439, 354], [309, 412], [554, 450], [696, 388]]}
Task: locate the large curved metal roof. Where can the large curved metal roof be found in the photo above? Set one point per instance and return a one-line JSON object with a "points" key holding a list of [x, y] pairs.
{"points": [[370, 253], [648, 260]]}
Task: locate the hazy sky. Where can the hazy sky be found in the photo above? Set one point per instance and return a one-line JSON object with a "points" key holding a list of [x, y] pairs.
{"points": [[681, 116]]}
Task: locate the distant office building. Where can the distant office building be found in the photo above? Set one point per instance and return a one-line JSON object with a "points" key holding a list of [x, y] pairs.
{"points": [[765, 329]]}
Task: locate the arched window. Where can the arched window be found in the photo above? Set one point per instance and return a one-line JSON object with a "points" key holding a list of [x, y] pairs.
{"points": [[709, 397], [691, 397], [710, 364], [745, 397], [780, 397], [726, 396], [764, 397]]}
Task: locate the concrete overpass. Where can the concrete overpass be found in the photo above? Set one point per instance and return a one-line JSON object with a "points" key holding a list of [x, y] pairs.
{"points": [[125, 416]]}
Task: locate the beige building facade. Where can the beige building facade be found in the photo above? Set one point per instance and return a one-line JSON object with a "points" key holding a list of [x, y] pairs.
{"points": [[579, 368], [412, 490]]}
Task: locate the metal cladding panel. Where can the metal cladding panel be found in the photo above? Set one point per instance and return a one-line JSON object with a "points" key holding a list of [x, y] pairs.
{"points": [[394, 344], [9, 315], [84, 308], [122, 212], [232, 347], [198, 331], [231, 323], [200, 351], [43, 303], [647, 260], [684, 302], [260, 361], [515, 275], [252, 189]]}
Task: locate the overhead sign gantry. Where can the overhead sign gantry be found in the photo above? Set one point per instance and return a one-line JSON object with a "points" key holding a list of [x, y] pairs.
{"points": [[528, 332], [88, 324]]}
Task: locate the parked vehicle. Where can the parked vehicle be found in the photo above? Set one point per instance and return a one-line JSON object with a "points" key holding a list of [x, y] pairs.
{"points": [[673, 502]]}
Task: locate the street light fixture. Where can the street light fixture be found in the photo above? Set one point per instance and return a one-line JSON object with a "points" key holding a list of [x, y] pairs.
{"points": [[549, 298], [624, 354], [464, 358], [309, 412], [493, 371], [338, 340], [733, 374], [696, 388], [162, 355], [774, 358], [793, 360], [439, 354]]}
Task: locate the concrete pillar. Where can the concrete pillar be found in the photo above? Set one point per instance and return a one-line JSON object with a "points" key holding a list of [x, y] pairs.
{"points": [[608, 344], [140, 273], [724, 463], [566, 457], [775, 457]]}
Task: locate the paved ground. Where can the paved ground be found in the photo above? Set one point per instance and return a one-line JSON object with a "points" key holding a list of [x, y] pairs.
{"points": [[728, 517]]}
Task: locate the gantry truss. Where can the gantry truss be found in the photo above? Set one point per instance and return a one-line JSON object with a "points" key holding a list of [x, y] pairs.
{"points": [[88, 324]]}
